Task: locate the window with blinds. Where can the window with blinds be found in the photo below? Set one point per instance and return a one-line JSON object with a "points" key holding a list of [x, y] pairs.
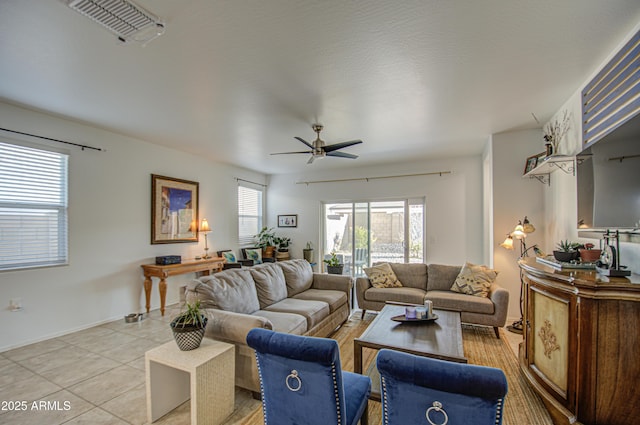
{"points": [[33, 207], [250, 211]]}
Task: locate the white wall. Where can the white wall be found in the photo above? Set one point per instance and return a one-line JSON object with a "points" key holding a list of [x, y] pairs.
{"points": [[109, 229], [487, 201], [515, 197], [454, 208]]}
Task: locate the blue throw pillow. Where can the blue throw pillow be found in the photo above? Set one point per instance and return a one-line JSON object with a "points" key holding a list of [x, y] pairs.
{"points": [[230, 257], [254, 254]]}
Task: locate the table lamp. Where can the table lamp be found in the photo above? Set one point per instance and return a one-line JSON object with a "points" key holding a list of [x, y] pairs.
{"points": [[204, 228]]}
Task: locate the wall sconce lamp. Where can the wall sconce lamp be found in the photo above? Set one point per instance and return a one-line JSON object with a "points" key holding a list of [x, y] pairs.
{"points": [[204, 228]]}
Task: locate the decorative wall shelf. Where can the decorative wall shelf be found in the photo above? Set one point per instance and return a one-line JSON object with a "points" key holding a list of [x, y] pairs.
{"points": [[546, 166]]}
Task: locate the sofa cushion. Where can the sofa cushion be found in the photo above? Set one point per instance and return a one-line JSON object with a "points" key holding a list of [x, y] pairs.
{"points": [[449, 300], [400, 295], [290, 323], [230, 290], [298, 275], [411, 275], [441, 277], [270, 284], [382, 276], [474, 280], [335, 299], [313, 311]]}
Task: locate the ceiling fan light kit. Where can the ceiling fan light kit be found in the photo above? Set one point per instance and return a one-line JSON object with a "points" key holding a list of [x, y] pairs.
{"points": [[320, 150]]}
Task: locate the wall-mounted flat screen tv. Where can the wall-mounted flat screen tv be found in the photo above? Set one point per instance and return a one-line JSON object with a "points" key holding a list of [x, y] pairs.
{"points": [[608, 178]]}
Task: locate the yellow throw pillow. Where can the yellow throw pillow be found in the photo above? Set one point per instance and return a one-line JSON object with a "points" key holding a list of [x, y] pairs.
{"points": [[382, 276], [474, 280]]}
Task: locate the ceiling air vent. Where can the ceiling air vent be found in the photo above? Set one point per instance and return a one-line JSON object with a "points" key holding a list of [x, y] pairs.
{"points": [[128, 21]]}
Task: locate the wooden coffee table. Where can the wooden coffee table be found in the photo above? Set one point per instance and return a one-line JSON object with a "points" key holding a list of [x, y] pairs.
{"points": [[440, 339]]}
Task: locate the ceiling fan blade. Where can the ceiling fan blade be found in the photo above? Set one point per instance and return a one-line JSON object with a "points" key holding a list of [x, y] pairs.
{"points": [[337, 146], [289, 153], [303, 141], [342, 155], [310, 161]]}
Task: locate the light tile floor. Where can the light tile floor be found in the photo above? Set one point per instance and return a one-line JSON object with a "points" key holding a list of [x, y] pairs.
{"points": [[95, 376]]}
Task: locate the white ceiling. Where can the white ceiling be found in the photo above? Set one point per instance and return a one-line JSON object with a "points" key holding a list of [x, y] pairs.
{"points": [[236, 80]]}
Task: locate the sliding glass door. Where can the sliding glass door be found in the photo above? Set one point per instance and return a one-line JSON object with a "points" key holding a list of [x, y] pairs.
{"points": [[367, 232]]}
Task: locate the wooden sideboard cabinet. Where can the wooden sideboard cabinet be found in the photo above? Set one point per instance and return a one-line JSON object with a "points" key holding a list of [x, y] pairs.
{"points": [[581, 344]]}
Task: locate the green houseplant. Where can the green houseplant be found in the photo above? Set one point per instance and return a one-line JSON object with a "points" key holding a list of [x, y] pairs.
{"points": [[266, 240], [188, 327], [282, 245], [567, 251], [333, 264]]}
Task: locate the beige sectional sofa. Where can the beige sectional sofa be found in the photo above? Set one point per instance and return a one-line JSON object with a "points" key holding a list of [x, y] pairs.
{"points": [[422, 282], [285, 296]]}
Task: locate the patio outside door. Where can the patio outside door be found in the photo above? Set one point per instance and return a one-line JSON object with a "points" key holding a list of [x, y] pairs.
{"points": [[363, 233]]}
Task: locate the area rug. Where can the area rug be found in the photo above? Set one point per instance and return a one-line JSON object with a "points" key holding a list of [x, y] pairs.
{"points": [[522, 405]]}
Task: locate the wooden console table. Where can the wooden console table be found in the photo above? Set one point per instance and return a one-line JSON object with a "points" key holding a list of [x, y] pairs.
{"points": [[207, 266], [581, 339]]}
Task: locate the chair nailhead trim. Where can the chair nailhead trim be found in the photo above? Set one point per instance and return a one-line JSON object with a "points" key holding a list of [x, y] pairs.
{"points": [[264, 399], [385, 412], [499, 408], [336, 393]]}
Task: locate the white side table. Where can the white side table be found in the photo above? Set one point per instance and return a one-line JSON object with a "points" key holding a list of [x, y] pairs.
{"points": [[206, 375]]}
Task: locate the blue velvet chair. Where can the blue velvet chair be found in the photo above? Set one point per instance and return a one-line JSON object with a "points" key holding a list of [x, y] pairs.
{"points": [[421, 390], [302, 383]]}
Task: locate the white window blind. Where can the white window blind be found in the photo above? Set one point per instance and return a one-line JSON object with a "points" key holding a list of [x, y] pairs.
{"points": [[33, 207], [250, 208]]}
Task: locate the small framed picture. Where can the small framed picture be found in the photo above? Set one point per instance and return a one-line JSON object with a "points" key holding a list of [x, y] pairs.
{"points": [[531, 163], [288, 220], [542, 156]]}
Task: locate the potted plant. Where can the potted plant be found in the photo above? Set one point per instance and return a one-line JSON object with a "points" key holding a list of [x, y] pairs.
{"points": [[307, 253], [266, 241], [282, 243], [588, 254], [567, 251], [333, 265], [188, 327]]}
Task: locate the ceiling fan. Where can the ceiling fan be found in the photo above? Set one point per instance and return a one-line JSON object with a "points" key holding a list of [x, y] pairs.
{"points": [[320, 150]]}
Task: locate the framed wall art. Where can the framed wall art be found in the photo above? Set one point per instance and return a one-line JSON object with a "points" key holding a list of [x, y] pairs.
{"points": [[288, 220], [531, 163], [174, 210]]}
